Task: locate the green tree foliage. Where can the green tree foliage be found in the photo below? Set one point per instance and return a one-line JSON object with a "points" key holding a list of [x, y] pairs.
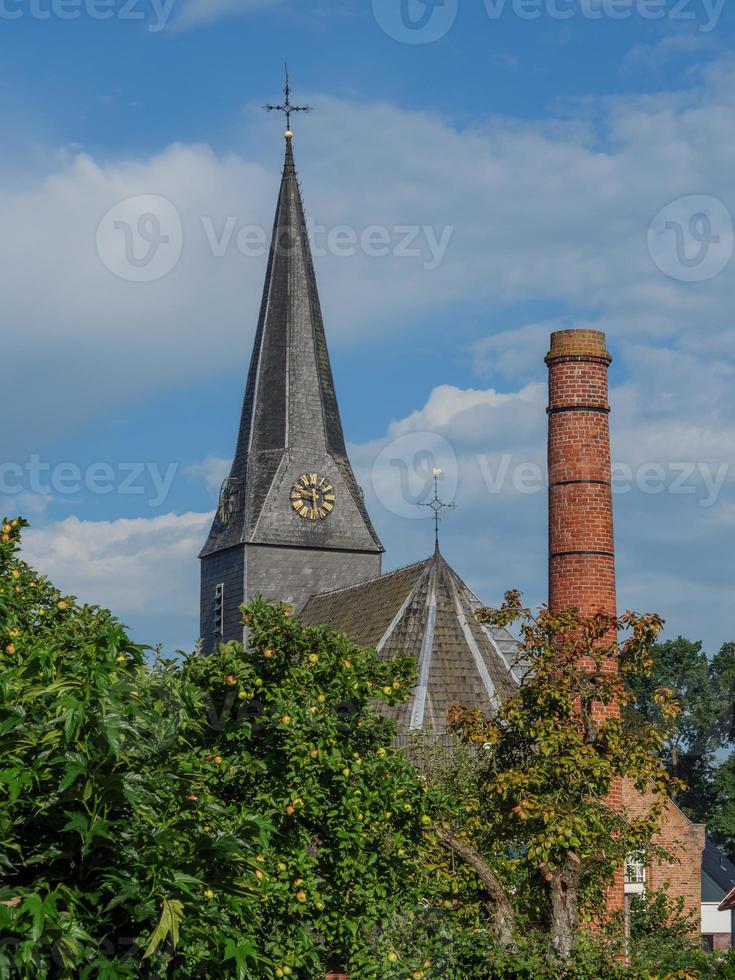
{"points": [[245, 814], [664, 940], [236, 814], [290, 729], [695, 735], [548, 761], [661, 945], [700, 741], [104, 864]]}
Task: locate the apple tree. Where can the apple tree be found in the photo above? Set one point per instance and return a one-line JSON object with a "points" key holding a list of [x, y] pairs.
{"points": [[110, 867], [288, 724]]}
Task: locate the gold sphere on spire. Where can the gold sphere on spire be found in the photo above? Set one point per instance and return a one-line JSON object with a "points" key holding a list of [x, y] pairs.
{"points": [[288, 134]]}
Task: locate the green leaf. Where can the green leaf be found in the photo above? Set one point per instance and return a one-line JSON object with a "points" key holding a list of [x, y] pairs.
{"points": [[33, 904], [172, 912], [76, 821], [72, 771], [243, 953]]}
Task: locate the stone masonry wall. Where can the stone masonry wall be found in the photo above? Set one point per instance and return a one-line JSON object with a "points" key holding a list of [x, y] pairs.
{"points": [[295, 574], [277, 573]]}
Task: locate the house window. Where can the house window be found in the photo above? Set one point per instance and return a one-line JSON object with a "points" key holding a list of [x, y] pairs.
{"points": [[708, 944], [219, 596], [635, 871]]}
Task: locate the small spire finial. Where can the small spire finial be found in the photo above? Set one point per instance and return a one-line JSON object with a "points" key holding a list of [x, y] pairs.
{"points": [[437, 506], [286, 108]]}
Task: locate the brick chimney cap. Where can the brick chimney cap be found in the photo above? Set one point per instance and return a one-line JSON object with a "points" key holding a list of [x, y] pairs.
{"points": [[584, 345]]}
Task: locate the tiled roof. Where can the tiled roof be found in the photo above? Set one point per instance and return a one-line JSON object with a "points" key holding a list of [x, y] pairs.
{"points": [[428, 611], [719, 870]]}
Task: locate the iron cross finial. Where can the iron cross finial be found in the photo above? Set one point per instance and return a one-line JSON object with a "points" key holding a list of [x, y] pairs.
{"points": [[437, 506], [286, 108]]}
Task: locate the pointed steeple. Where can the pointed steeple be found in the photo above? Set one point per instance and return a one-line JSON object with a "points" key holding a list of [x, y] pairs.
{"points": [[290, 425], [293, 401], [290, 409]]}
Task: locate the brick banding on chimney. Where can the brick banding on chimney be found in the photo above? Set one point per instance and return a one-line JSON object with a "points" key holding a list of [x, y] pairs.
{"points": [[578, 408], [560, 554], [581, 547]]}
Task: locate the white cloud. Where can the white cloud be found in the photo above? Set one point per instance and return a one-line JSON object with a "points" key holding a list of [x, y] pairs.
{"points": [[212, 470], [28, 504], [554, 212], [513, 353], [450, 408], [138, 566], [649, 57]]}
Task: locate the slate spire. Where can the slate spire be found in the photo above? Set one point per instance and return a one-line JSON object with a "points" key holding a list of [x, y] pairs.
{"points": [[290, 423], [293, 401]]}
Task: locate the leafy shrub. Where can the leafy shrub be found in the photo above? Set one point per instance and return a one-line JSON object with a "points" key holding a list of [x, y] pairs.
{"points": [[240, 813], [106, 861], [291, 722]]}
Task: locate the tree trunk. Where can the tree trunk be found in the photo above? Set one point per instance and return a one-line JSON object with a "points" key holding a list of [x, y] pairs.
{"points": [[500, 908], [563, 885]]}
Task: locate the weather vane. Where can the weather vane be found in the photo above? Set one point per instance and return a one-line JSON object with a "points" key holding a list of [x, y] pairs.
{"points": [[286, 108], [436, 505]]}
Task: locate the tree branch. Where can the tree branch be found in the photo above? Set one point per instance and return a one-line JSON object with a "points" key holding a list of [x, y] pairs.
{"points": [[502, 911]]}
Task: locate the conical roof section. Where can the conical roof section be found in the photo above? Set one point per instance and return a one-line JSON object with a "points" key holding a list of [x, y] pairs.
{"points": [[428, 611], [290, 419]]}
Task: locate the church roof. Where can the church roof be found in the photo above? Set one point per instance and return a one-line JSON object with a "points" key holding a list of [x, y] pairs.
{"points": [[425, 610], [290, 420]]}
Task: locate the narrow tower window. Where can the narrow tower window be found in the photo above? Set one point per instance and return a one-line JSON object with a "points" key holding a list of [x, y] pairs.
{"points": [[219, 595]]}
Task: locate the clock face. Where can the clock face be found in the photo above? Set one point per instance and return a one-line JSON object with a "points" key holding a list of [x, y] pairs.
{"points": [[312, 497]]}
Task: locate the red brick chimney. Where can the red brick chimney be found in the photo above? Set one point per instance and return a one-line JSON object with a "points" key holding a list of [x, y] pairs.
{"points": [[581, 550]]}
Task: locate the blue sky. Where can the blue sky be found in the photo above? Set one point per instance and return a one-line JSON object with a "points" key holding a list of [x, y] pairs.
{"points": [[538, 148]]}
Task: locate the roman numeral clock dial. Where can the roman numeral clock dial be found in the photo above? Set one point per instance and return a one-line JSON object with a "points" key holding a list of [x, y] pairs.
{"points": [[312, 497]]}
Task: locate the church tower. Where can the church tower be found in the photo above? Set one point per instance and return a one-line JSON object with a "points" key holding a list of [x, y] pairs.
{"points": [[291, 520]]}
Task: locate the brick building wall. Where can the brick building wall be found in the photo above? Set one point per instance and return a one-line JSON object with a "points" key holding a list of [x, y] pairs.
{"points": [[582, 559], [684, 839]]}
